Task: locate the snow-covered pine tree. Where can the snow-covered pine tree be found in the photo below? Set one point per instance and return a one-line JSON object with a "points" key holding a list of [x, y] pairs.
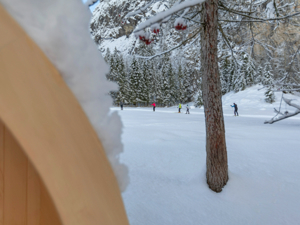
{"points": [[158, 86], [259, 75], [113, 61], [244, 77], [270, 97], [143, 84], [107, 56], [172, 84], [250, 70], [152, 81], [135, 77], [123, 93], [225, 75], [199, 99], [181, 91], [267, 78], [268, 82], [165, 85], [188, 92]]}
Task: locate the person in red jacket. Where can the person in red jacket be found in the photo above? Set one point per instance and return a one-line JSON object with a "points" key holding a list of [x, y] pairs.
{"points": [[153, 106]]}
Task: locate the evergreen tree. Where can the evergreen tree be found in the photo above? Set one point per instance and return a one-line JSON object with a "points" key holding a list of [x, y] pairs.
{"points": [[250, 72], [135, 79], [259, 75], [232, 74], [172, 84], [199, 99], [115, 63], [268, 81], [268, 76], [153, 81], [107, 56], [181, 91], [188, 92], [123, 93], [143, 86], [242, 79], [270, 97], [165, 85], [159, 87], [225, 75]]}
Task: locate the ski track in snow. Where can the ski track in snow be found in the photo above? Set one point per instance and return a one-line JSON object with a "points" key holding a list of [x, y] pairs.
{"points": [[165, 153]]}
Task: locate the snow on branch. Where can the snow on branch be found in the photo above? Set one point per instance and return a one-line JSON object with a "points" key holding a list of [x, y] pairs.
{"points": [[223, 7], [141, 10], [285, 114], [165, 52], [161, 16]]}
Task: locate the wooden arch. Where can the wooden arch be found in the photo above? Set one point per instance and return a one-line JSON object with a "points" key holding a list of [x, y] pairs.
{"points": [[53, 169]]}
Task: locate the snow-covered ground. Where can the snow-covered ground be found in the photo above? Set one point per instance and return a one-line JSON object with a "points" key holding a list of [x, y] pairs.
{"points": [[165, 153]]}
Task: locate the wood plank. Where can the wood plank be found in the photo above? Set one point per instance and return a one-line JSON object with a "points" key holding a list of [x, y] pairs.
{"points": [[49, 214], [1, 173], [33, 196], [15, 182], [10, 33]]}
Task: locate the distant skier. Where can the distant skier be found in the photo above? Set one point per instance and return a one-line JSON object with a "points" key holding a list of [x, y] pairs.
{"points": [[179, 108], [187, 109], [121, 104], [153, 106], [235, 109]]}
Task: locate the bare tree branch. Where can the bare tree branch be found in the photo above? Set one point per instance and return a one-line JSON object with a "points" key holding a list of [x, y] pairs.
{"points": [[227, 42], [165, 52], [286, 114], [257, 18]]}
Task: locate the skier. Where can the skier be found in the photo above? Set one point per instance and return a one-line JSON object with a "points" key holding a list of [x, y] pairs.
{"points": [[121, 104], [235, 109], [179, 108], [153, 106], [187, 109]]}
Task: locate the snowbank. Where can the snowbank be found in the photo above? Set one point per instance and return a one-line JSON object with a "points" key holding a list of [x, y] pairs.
{"points": [[166, 155], [252, 101], [61, 29]]}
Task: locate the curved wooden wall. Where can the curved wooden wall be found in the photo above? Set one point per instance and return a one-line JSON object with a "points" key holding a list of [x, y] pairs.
{"points": [[23, 197], [53, 169]]}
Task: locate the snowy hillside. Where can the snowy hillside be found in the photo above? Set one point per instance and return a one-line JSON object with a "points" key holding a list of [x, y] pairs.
{"points": [[110, 30], [251, 101], [165, 153], [108, 26]]}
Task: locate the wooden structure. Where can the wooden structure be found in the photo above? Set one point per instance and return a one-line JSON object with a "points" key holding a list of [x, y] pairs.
{"points": [[53, 169]]}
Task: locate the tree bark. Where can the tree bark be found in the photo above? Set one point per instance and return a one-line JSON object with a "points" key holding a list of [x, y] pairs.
{"points": [[216, 158]]}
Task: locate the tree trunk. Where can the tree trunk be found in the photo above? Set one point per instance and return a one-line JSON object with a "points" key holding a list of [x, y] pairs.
{"points": [[216, 159]]}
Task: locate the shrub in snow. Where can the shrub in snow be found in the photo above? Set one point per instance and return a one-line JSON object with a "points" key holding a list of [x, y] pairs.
{"points": [[270, 97], [180, 24]]}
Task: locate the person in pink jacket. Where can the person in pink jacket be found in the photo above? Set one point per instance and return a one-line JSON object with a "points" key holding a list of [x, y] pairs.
{"points": [[153, 106]]}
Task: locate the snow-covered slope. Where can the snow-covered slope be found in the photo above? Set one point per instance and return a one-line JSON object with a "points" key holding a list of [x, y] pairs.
{"points": [[252, 101], [108, 27], [165, 152]]}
